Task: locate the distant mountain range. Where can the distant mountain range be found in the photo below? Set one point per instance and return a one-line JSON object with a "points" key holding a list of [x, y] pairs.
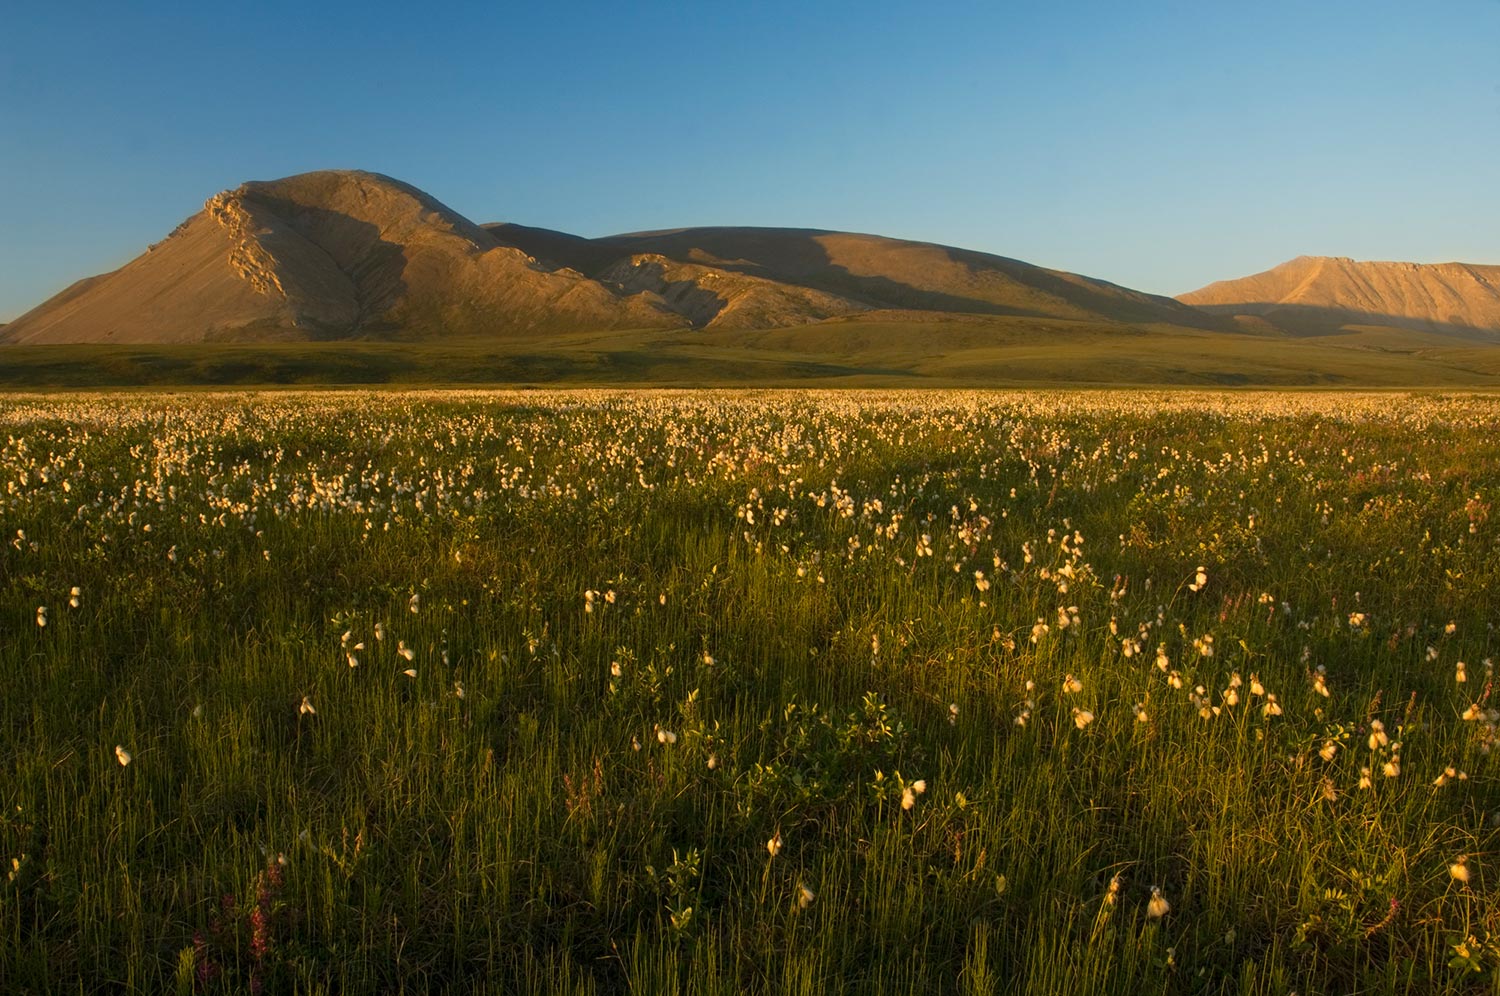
{"points": [[355, 255]]}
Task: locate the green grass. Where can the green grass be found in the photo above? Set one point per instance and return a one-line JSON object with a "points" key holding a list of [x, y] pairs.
{"points": [[685, 625], [915, 350]]}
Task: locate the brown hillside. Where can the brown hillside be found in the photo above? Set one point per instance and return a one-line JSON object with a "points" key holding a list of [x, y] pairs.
{"points": [[326, 255], [891, 273], [346, 254], [1314, 294]]}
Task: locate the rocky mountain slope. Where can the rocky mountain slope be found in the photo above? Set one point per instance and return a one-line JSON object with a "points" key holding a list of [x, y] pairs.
{"points": [[1315, 294]]}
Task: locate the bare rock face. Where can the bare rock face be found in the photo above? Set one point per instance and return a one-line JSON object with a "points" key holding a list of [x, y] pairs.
{"points": [[1319, 293]]}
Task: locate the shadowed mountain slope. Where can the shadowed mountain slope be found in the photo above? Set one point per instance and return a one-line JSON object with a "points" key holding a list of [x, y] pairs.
{"points": [[1318, 294]]}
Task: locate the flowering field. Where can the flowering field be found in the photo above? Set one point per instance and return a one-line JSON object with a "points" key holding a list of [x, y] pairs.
{"points": [[749, 692]]}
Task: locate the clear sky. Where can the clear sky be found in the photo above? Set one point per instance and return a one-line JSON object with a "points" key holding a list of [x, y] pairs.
{"points": [[1159, 145]]}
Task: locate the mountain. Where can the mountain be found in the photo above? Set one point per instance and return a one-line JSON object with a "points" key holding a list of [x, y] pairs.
{"points": [[1318, 294], [892, 273], [328, 255], [858, 272], [344, 254]]}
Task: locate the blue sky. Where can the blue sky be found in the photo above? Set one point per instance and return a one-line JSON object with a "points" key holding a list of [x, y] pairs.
{"points": [[1158, 145]]}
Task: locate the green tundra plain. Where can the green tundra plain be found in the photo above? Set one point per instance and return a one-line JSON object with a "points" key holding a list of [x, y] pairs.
{"points": [[918, 351], [661, 692]]}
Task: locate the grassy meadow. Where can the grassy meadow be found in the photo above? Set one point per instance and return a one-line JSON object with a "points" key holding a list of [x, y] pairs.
{"points": [[749, 692]]}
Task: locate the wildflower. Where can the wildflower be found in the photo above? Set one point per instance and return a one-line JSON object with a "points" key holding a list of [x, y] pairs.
{"points": [[708, 659], [1112, 895], [609, 596], [1141, 715], [1231, 697], [1200, 579], [1378, 736], [1158, 907], [1450, 628], [410, 672], [805, 896], [75, 597], [1472, 713], [1448, 773], [1071, 684], [1328, 751], [713, 761], [353, 661], [1459, 869], [1082, 717], [1256, 688], [952, 713], [665, 736], [1364, 778], [1458, 673], [306, 708], [380, 631], [122, 755], [1272, 707], [615, 670], [773, 846], [41, 615], [414, 603], [458, 690], [403, 650], [1162, 660], [919, 786], [1392, 767]]}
